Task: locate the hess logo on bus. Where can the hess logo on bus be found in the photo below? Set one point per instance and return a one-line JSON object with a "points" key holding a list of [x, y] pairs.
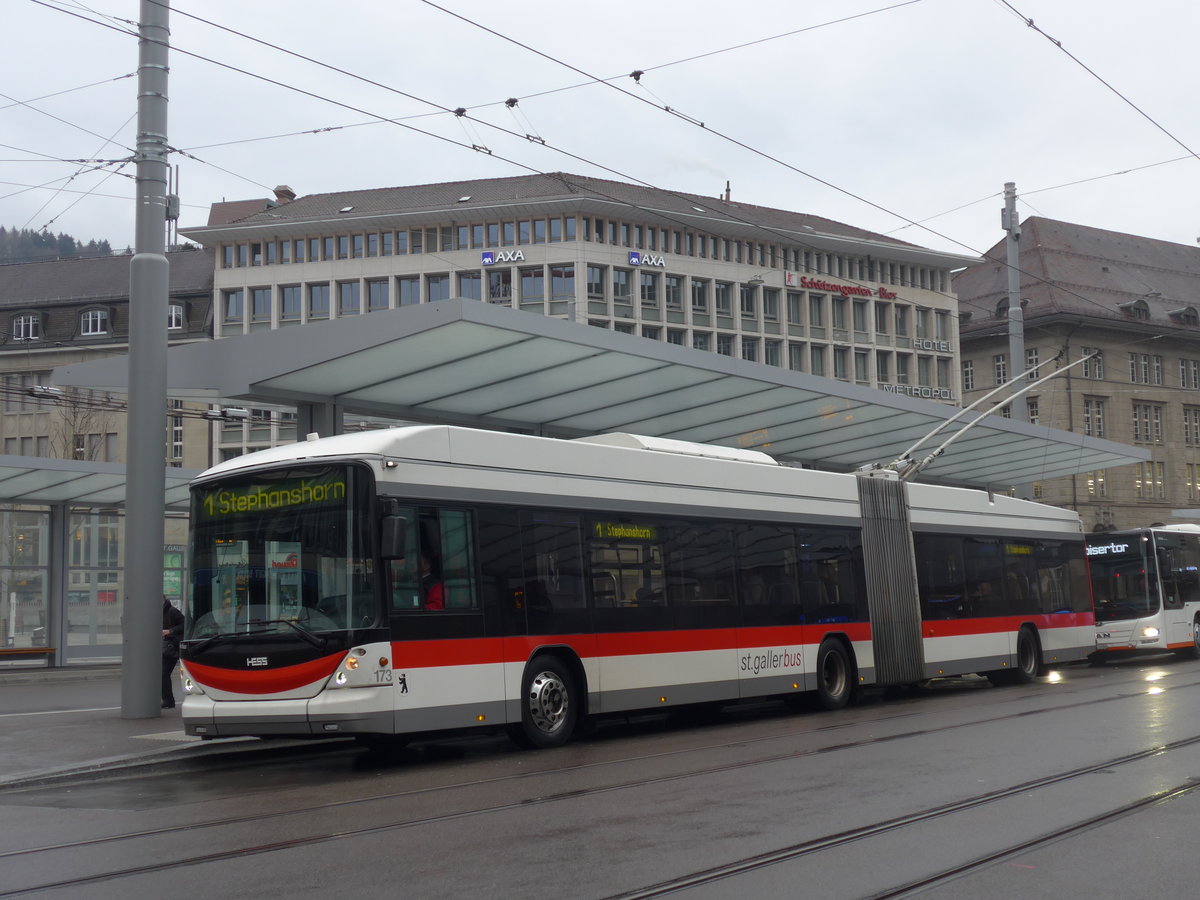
{"points": [[254, 662]]}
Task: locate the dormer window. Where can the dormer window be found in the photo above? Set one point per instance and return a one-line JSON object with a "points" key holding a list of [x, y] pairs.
{"points": [[175, 317], [1135, 309], [1002, 309], [1185, 316], [93, 322], [26, 327]]}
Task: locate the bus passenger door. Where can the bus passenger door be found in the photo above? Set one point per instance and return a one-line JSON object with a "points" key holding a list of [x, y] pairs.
{"points": [[628, 588], [448, 674], [1179, 569]]}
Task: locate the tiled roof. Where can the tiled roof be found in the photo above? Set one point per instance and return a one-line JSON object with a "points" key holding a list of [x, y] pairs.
{"points": [[1069, 269], [102, 278], [232, 210], [553, 186]]}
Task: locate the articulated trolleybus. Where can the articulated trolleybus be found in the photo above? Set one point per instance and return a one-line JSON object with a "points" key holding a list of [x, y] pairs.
{"points": [[1146, 586], [430, 578]]}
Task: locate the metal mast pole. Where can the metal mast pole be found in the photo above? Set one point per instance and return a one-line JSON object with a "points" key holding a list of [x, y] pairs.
{"points": [[1016, 323], [148, 288]]}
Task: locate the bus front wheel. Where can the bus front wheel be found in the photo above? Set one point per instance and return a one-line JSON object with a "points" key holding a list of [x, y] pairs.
{"points": [[1193, 652], [834, 675], [549, 705]]}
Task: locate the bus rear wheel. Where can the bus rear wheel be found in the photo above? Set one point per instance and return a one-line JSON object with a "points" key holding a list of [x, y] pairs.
{"points": [[1029, 657], [549, 705], [834, 678], [1029, 662]]}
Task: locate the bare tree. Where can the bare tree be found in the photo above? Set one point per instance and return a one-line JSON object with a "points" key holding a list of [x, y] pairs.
{"points": [[79, 425]]}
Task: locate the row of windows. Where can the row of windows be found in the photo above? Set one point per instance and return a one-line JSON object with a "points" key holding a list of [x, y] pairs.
{"points": [[551, 572], [523, 232], [1144, 368], [434, 239], [534, 284], [1149, 482], [845, 363], [321, 300], [92, 323], [839, 312], [101, 447]]}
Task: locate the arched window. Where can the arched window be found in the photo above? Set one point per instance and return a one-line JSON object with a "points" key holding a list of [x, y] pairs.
{"points": [[1135, 309]]}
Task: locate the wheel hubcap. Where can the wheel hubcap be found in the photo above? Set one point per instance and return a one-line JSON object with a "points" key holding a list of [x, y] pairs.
{"points": [[1027, 658], [548, 702], [833, 675]]}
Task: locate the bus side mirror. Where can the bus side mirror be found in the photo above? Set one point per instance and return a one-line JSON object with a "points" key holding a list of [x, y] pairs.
{"points": [[391, 536]]}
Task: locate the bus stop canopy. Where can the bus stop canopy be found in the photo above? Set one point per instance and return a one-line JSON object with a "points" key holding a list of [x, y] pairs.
{"points": [[38, 480], [471, 363]]}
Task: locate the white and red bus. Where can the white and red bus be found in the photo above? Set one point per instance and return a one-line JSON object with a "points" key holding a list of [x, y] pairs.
{"points": [[427, 578], [1146, 586]]}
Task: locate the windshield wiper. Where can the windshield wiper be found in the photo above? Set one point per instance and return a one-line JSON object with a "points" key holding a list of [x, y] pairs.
{"points": [[212, 639], [313, 639], [255, 627]]}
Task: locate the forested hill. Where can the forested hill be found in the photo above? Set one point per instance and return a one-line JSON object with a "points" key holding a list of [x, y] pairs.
{"points": [[20, 245]]}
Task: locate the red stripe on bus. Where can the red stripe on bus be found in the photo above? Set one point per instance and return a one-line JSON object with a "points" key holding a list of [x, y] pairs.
{"points": [[483, 651], [264, 681], [1004, 624]]}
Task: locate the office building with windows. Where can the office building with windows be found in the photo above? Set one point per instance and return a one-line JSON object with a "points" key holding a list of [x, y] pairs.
{"points": [[1129, 304], [767, 285], [61, 563]]}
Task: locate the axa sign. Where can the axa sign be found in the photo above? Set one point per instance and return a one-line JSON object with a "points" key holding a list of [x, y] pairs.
{"points": [[491, 257], [637, 258]]}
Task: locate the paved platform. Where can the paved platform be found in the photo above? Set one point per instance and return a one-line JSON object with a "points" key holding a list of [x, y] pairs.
{"points": [[55, 722]]}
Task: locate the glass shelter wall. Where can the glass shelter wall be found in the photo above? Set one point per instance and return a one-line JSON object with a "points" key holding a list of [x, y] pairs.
{"points": [[62, 585], [95, 587], [24, 561]]}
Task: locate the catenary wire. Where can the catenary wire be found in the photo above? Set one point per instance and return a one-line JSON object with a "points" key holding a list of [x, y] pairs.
{"points": [[574, 156], [1141, 112], [68, 91]]}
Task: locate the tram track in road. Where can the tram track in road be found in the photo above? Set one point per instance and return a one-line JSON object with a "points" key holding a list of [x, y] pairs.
{"points": [[834, 841], [696, 879], [543, 774], [1158, 798], [732, 869]]}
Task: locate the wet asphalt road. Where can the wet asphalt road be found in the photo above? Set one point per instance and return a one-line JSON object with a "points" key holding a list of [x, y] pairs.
{"points": [[1084, 785]]}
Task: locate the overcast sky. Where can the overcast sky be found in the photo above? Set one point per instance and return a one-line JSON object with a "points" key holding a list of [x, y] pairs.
{"points": [[876, 113]]}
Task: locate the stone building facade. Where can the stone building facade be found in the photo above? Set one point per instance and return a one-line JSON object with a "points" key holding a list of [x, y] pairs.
{"points": [[59, 313], [1133, 301], [766, 285]]}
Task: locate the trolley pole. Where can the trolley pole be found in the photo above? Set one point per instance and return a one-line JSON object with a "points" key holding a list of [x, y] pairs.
{"points": [[141, 634]]}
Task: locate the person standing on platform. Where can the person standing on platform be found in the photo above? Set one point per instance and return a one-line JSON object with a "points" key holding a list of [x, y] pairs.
{"points": [[172, 633]]}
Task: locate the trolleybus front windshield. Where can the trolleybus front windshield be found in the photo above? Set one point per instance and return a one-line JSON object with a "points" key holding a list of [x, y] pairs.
{"points": [[1123, 580], [282, 552]]}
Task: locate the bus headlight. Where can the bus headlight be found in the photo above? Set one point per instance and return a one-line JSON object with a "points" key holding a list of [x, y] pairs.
{"points": [[1150, 632], [340, 678], [190, 687]]}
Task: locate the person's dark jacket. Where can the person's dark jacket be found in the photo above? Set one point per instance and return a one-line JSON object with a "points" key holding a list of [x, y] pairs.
{"points": [[173, 625]]}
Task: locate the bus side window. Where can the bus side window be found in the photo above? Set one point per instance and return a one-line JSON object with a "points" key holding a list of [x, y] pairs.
{"points": [[457, 567], [402, 573]]}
